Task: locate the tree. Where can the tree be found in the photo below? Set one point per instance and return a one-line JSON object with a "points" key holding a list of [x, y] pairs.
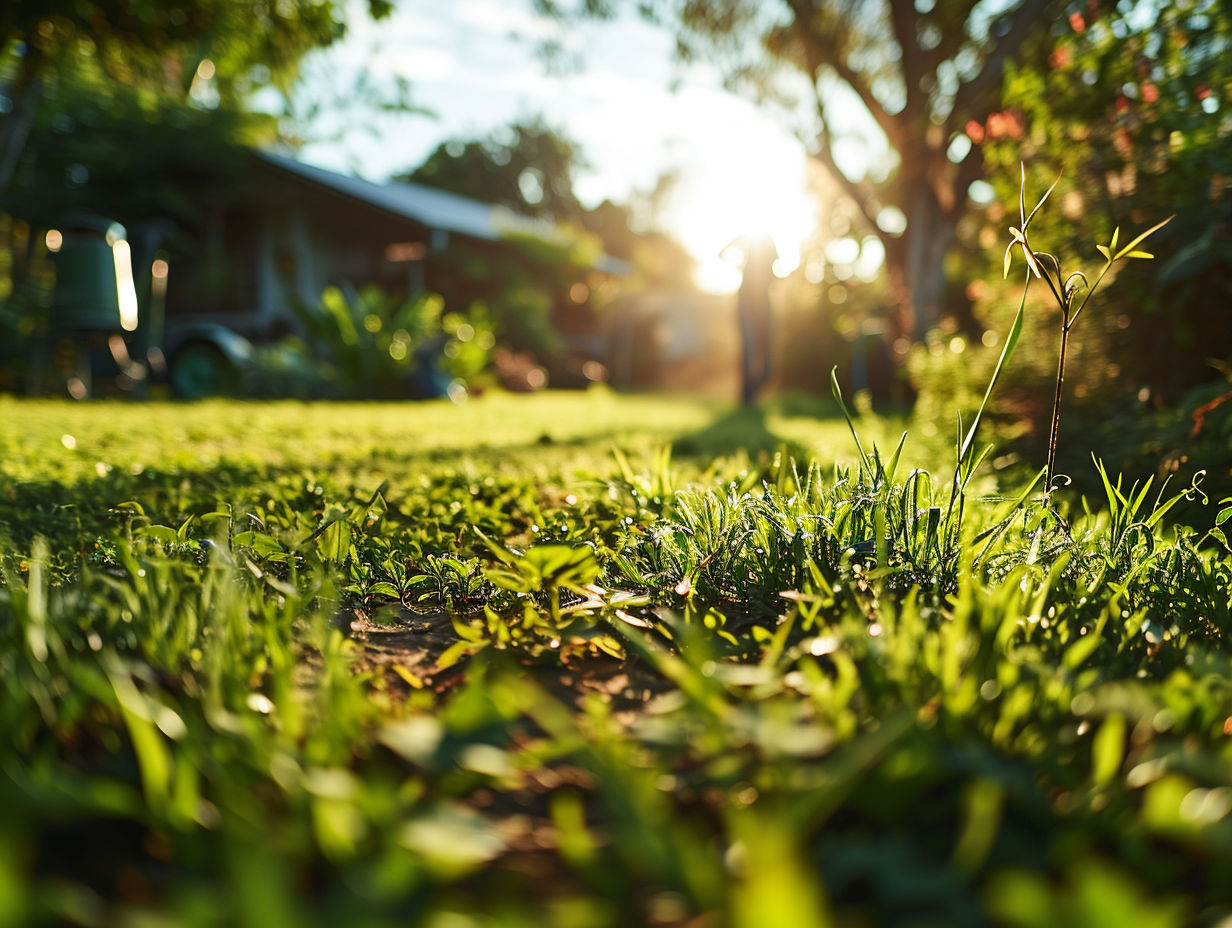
{"points": [[222, 48], [527, 166], [124, 156], [929, 74]]}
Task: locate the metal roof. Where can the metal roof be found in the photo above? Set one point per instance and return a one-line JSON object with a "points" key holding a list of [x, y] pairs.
{"points": [[438, 209]]}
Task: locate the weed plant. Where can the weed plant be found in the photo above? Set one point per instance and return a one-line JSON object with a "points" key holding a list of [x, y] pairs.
{"points": [[1065, 290]]}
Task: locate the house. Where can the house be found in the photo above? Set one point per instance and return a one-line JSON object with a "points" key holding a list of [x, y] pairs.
{"points": [[287, 230]]}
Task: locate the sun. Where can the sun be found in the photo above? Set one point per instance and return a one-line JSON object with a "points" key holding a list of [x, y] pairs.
{"points": [[756, 184]]}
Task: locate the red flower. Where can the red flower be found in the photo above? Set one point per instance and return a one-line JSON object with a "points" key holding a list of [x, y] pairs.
{"points": [[1077, 22], [1150, 93], [1005, 124]]}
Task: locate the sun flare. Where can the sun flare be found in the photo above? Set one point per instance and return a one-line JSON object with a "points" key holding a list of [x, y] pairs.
{"points": [[759, 190]]}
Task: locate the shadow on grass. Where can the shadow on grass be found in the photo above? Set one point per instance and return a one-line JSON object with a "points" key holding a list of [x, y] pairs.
{"points": [[75, 511], [742, 429]]}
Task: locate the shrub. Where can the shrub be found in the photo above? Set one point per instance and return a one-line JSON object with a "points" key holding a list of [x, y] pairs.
{"points": [[365, 345]]}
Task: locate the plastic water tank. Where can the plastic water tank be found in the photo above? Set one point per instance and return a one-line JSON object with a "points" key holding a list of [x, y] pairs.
{"points": [[86, 296]]}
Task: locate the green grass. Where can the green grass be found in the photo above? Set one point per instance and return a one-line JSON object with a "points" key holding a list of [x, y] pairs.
{"points": [[347, 440], [560, 429], [285, 664]]}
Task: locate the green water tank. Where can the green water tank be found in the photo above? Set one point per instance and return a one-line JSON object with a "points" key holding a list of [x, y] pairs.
{"points": [[86, 296]]}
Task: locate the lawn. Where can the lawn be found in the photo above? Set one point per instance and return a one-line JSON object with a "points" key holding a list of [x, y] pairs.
{"points": [[558, 430], [510, 663]]}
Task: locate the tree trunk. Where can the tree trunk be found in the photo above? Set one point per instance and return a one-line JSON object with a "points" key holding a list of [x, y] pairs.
{"points": [[924, 267], [915, 261]]}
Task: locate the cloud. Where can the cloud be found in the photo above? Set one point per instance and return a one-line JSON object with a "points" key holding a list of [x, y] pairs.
{"points": [[503, 18], [417, 62]]}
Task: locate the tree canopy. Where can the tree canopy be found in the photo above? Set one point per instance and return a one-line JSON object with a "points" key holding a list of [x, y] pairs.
{"points": [[923, 71], [220, 49], [527, 166]]}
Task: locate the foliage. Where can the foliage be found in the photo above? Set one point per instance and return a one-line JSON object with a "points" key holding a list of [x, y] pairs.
{"points": [[1172, 442], [129, 156], [1131, 108], [1159, 334], [242, 693], [155, 44], [205, 52], [527, 167], [366, 345], [1132, 430], [25, 285]]}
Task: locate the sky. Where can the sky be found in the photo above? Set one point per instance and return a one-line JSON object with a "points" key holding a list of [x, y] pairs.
{"points": [[635, 112]]}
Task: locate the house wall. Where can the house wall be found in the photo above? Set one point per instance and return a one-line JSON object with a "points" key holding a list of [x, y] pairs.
{"points": [[291, 245]]}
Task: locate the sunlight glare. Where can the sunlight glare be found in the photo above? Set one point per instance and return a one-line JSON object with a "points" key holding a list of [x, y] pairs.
{"points": [[717, 275], [761, 189], [125, 289]]}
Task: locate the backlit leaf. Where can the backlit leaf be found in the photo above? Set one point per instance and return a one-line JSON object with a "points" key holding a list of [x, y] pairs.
{"points": [[1136, 242], [1108, 749]]}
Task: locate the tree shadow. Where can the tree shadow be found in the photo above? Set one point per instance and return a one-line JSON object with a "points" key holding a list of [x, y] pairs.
{"points": [[742, 429]]}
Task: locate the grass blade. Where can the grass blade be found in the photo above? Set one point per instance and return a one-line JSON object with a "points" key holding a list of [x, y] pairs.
{"points": [[1042, 201], [1011, 342], [892, 466], [838, 395]]}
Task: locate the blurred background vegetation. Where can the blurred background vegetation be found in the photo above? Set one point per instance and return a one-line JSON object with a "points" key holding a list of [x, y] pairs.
{"points": [[126, 109]]}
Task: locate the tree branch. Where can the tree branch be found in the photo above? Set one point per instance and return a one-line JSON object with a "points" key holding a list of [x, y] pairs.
{"points": [[819, 52], [903, 19], [859, 192], [953, 35], [1022, 20]]}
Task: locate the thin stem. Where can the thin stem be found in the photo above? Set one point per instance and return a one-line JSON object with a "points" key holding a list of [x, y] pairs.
{"points": [[1067, 322], [1056, 405], [1047, 279], [1091, 292]]}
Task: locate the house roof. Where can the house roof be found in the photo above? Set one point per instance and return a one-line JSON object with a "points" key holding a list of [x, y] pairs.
{"points": [[437, 209]]}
